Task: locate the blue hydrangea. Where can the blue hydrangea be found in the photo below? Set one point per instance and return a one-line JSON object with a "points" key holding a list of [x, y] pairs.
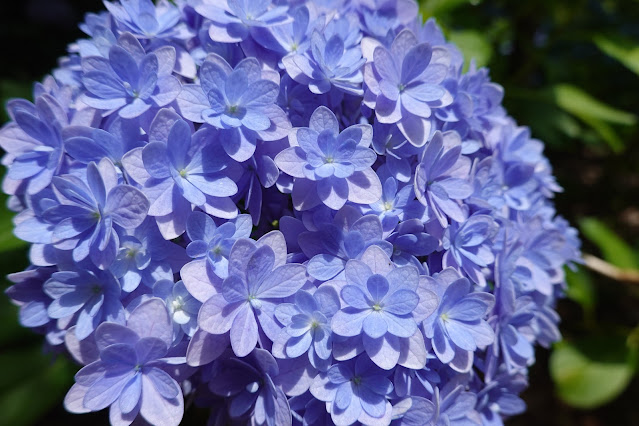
{"points": [[85, 298], [179, 170], [147, 20], [249, 294], [330, 167], [145, 257], [89, 144], [247, 384], [307, 325], [33, 141], [130, 375], [356, 391], [27, 293], [288, 212], [441, 178], [88, 214], [233, 20], [468, 247], [182, 306], [328, 62], [332, 245], [212, 243], [396, 205], [404, 83], [130, 81], [457, 327], [239, 101], [383, 304]]}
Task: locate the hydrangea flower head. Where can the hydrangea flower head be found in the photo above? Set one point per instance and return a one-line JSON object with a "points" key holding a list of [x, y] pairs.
{"points": [[287, 212]]}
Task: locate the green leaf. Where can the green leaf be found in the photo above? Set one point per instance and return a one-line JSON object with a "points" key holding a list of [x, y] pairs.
{"points": [[438, 7], [29, 400], [473, 45], [8, 241], [624, 51], [581, 289], [593, 112], [613, 248], [591, 372], [20, 364]]}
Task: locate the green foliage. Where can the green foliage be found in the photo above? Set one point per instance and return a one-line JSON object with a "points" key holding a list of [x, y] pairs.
{"points": [[613, 248], [27, 400], [473, 45], [592, 112], [593, 371], [623, 50], [8, 241], [581, 289], [438, 7]]}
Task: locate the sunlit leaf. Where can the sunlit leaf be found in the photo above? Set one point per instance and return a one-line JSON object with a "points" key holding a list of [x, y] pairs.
{"points": [[612, 247], [581, 289], [8, 241], [624, 51], [437, 7], [473, 45], [29, 400], [593, 112], [592, 372]]}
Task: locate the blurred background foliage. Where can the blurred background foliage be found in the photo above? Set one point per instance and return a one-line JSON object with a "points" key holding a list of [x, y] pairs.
{"points": [[570, 69]]}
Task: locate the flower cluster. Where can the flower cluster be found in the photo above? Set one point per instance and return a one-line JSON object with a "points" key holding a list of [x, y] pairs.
{"points": [[287, 212]]}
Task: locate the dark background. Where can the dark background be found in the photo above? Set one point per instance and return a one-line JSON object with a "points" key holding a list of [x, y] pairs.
{"points": [[562, 78]]}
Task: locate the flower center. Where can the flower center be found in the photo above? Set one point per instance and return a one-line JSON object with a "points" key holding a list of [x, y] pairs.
{"points": [[388, 206], [177, 304], [130, 254], [183, 173], [254, 301], [96, 289], [377, 307], [329, 160], [356, 380], [233, 109], [401, 87], [444, 316]]}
